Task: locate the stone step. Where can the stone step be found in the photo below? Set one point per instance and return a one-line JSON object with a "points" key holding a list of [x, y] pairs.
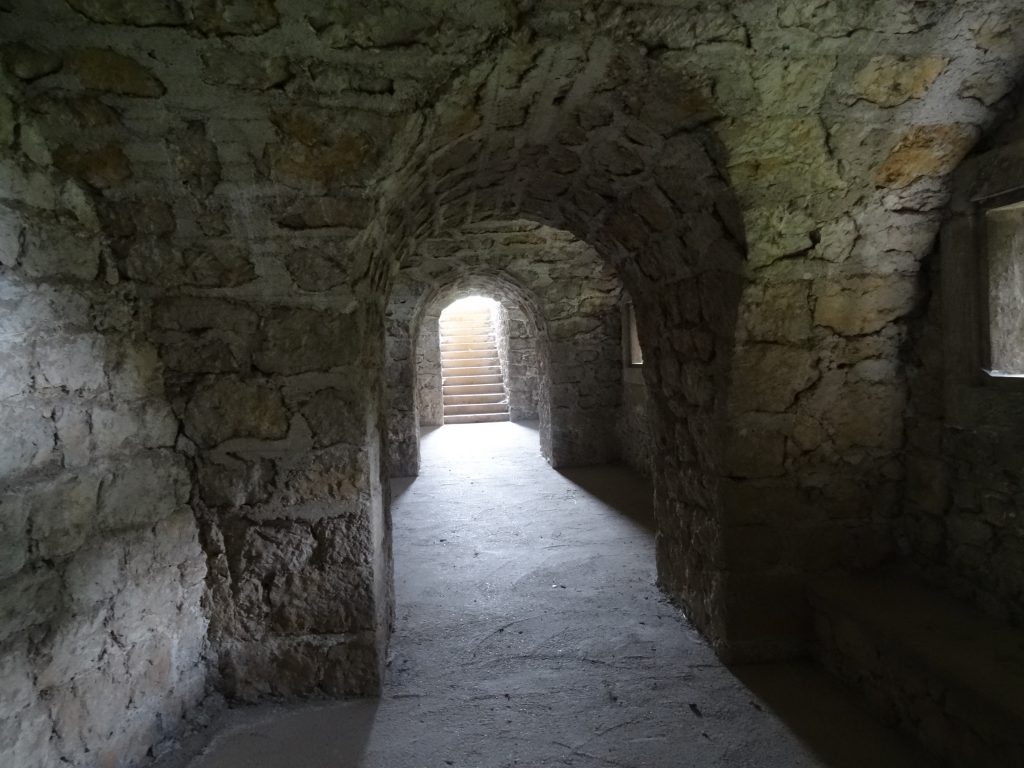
{"points": [[465, 322], [476, 418], [465, 344], [938, 668], [451, 366], [473, 389], [448, 372], [469, 354], [475, 408], [447, 333], [483, 378], [486, 398]]}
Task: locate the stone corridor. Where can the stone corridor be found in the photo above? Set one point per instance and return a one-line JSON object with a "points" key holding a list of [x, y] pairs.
{"points": [[530, 632]]}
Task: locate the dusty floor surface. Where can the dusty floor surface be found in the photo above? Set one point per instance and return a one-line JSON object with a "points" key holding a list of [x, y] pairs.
{"points": [[530, 633]]}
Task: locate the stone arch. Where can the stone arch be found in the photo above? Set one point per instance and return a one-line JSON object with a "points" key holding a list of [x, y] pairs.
{"points": [[407, 314], [511, 298], [575, 317], [578, 136]]}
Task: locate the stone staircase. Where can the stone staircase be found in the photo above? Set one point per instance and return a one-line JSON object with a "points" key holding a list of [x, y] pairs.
{"points": [[472, 384]]}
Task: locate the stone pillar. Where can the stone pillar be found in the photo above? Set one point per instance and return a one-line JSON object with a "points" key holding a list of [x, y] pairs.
{"points": [[291, 502]]}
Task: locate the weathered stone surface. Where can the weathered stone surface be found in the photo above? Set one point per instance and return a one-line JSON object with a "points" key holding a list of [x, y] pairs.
{"points": [[779, 312], [228, 408], [327, 212], [207, 264], [926, 150], [58, 252], [864, 304], [137, 13], [107, 70], [891, 80], [343, 157], [10, 237], [233, 17], [144, 490], [317, 271], [101, 168], [14, 541], [769, 377], [29, 599], [7, 122], [258, 73], [196, 159], [27, 440], [234, 483], [63, 515], [28, 63], [72, 364], [299, 340]]}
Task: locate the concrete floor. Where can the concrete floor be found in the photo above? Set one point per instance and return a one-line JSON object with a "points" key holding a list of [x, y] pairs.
{"points": [[530, 632]]}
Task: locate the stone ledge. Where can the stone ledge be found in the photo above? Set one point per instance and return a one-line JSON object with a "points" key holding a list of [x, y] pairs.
{"points": [[951, 676]]}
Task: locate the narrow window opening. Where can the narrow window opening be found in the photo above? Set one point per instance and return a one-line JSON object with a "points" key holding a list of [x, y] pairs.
{"points": [[636, 354], [1004, 257]]}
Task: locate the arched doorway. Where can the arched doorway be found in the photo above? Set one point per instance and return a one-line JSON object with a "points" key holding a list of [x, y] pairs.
{"points": [[477, 363]]}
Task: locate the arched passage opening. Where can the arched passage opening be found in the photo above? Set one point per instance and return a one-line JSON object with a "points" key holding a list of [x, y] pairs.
{"points": [[463, 366], [564, 339], [580, 139]]}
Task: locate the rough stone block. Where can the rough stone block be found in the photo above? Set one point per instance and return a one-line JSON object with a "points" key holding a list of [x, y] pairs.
{"points": [[14, 541], [300, 340], [73, 364], [863, 305], [141, 491], [10, 237], [889, 81], [229, 407], [30, 598], [95, 574], [60, 252], [768, 377], [16, 372], [63, 513], [106, 70], [26, 441], [136, 13], [926, 150]]}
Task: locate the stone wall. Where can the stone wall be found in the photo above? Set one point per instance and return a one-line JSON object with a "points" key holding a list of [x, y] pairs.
{"points": [[561, 304], [261, 171], [517, 350], [238, 241], [102, 634], [963, 526], [427, 397]]}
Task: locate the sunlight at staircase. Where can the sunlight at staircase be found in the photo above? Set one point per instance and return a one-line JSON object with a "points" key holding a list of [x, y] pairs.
{"points": [[472, 383]]}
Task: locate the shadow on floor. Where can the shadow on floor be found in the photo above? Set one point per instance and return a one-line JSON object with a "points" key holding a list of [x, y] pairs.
{"points": [[618, 486], [825, 717], [331, 735], [400, 485]]}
